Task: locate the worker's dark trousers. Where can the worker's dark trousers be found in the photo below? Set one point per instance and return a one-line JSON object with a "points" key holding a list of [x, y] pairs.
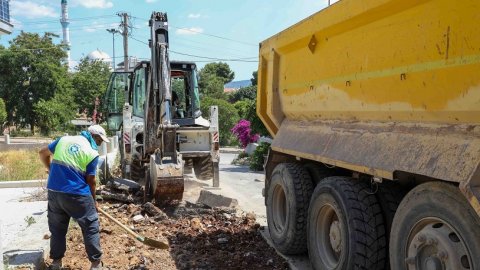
{"points": [[62, 206]]}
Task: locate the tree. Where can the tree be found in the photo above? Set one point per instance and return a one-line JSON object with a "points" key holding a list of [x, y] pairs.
{"points": [[90, 82], [218, 70], [256, 124], [227, 118], [213, 77], [249, 92], [54, 114], [254, 78], [31, 69], [243, 107]]}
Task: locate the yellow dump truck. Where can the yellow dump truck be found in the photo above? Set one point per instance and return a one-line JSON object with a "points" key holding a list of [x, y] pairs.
{"points": [[374, 106]]}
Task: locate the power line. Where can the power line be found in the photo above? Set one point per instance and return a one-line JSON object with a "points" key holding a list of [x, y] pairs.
{"points": [[71, 19], [205, 57], [206, 34]]}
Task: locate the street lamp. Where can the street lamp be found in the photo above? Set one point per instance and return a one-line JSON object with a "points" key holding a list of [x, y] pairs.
{"points": [[113, 32]]}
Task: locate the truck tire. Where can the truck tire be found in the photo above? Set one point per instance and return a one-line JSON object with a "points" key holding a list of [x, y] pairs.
{"points": [[435, 228], [203, 168], [287, 207], [316, 172], [389, 196], [345, 226]]}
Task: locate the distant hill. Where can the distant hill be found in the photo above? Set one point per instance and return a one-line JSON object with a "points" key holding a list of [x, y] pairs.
{"points": [[238, 84]]}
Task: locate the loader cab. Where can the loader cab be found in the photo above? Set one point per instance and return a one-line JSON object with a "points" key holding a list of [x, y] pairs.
{"points": [[115, 98], [128, 89], [184, 85]]}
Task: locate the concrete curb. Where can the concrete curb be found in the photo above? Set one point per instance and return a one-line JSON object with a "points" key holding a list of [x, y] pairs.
{"points": [[231, 150], [24, 183]]}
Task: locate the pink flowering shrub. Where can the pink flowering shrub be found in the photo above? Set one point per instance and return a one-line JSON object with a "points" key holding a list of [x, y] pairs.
{"points": [[243, 132]]}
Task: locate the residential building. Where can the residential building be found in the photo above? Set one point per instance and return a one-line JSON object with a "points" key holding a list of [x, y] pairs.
{"points": [[5, 26]]}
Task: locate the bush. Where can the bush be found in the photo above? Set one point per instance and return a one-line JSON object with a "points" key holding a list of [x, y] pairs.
{"points": [[258, 157], [243, 133], [227, 117], [243, 107]]}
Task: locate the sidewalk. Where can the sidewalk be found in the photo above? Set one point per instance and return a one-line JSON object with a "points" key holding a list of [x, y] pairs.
{"points": [[23, 224]]}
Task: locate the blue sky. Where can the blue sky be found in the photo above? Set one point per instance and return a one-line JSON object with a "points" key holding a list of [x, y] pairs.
{"points": [[222, 29]]}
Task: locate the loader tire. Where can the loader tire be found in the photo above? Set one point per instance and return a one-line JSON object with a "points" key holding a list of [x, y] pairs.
{"points": [[188, 167], [148, 189], [137, 172], [435, 228], [203, 167], [345, 226], [287, 200]]}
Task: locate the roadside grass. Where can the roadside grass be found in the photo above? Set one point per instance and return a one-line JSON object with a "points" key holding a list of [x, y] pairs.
{"points": [[21, 165]]}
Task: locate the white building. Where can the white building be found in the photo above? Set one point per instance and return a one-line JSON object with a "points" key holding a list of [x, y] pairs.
{"points": [[5, 26]]}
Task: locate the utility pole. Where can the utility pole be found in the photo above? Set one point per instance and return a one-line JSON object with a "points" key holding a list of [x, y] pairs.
{"points": [[124, 24], [113, 32]]}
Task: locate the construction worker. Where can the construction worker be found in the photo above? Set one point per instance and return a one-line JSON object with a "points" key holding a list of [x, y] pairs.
{"points": [[72, 162]]}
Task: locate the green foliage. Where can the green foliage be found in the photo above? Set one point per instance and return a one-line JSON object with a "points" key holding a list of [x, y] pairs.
{"points": [[178, 86], [90, 82], [227, 118], [243, 108], [249, 92], [54, 114], [212, 87], [213, 77], [30, 220], [258, 157], [256, 124], [218, 70], [3, 112], [31, 70]]}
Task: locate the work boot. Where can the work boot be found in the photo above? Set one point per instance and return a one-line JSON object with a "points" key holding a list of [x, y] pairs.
{"points": [[96, 265], [56, 265]]}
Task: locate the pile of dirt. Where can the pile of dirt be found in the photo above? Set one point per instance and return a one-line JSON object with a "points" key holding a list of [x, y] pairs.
{"points": [[199, 238]]}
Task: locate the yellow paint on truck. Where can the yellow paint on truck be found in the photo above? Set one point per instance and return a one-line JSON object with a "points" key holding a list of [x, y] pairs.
{"points": [[381, 87], [380, 60]]}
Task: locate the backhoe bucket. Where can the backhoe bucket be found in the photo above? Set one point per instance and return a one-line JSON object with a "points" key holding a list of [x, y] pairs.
{"points": [[167, 179]]}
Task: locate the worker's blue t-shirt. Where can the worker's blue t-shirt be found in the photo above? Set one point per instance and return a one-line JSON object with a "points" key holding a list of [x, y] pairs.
{"points": [[63, 178]]}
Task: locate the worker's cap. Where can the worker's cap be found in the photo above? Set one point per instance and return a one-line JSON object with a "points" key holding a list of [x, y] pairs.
{"points": [[98, 130]]}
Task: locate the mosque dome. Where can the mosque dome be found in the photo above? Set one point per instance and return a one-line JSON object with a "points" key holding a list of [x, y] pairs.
{"points": [[100, 56]]}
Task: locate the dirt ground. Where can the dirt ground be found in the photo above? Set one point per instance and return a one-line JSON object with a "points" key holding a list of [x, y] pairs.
{"points": [[199, 238]]}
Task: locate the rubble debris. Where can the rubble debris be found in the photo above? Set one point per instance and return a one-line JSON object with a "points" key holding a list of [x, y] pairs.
{"points": [[107, 195], [219, 238], [201, 236], [124, 185], [138, 218], [214, 200]]}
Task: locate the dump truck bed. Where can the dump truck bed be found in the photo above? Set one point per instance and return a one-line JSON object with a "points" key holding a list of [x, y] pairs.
{"points": [[382, 87], [375, 60]]}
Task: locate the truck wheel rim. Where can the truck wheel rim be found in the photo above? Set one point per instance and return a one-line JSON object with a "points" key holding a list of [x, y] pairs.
{"points": [[279, 208], [328, 236], [433, 244]]}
